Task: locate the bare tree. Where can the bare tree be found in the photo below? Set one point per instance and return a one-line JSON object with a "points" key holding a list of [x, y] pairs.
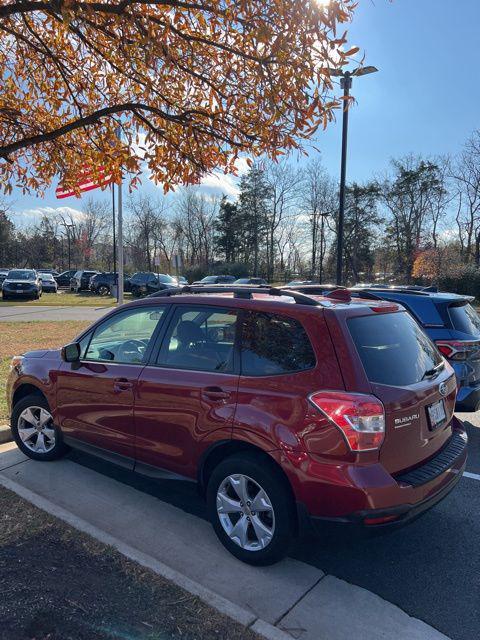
{"points": [[409, 196], [194, 227], [148, 231], [466, 177], [319, 202], [284, 193]]}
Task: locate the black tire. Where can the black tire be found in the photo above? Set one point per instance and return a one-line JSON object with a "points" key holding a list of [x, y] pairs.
{"points": [[4, 297], [36, 401], [263, 472], [103, 290]]}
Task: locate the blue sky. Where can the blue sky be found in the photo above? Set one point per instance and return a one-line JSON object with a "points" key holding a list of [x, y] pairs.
{"points": [[425, 98]]}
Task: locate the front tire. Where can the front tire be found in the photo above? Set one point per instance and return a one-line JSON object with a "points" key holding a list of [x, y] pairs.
{"points": [[103, 290], [251, 508], [33, 429]]}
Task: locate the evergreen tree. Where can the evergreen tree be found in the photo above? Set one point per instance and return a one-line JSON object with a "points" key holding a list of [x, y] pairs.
{"points": [[254, 206], [228, 231]]}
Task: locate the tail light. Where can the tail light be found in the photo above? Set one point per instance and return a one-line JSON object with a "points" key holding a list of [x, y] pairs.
{"points": [[459, 349], [361, 418]]}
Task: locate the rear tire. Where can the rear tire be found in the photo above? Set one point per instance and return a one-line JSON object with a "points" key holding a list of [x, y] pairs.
{"points": [[33, 429], [103, 290], [251, 508]]}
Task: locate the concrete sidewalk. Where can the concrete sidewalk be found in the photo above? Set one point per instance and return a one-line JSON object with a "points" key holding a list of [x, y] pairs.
{"points": [[25, 314], [288, 600]]}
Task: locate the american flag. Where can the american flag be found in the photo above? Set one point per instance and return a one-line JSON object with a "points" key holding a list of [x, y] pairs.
{"points": [[86, 182]]}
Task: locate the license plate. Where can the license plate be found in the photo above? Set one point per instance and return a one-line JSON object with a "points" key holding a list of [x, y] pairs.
{"points": [[436, 414]]}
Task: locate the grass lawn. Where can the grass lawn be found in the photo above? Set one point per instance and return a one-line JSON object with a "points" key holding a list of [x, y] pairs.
{"points": [[60, 584], [18, 337], [66, 299]]}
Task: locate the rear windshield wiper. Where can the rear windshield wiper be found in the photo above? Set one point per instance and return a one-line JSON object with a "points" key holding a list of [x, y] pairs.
{"points": [[431, 372]]}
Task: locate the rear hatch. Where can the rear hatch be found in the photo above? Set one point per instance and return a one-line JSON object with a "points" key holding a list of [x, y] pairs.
{"points": [[401, 366], [463, 351]]}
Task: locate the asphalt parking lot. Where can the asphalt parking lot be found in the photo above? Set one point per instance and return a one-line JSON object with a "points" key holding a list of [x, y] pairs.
{"points": [[430, 568]]}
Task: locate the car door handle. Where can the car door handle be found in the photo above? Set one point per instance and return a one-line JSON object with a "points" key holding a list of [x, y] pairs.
{"points": [[215, 393], [121, 384]]}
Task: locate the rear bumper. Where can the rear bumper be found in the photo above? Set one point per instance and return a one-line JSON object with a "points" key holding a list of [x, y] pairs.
{"points": [[356, 522], [468, 399], [382, 502]]}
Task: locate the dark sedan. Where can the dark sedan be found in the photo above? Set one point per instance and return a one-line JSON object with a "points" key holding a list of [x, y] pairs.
{"points": [[101, 283], [146, 282], [63, 280]]}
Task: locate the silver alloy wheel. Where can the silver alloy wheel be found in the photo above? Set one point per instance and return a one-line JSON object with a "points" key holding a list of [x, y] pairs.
{"points": [[36, 431], [245, 512]]}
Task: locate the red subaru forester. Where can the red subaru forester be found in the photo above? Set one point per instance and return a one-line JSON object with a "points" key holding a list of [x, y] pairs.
{"points": [[290, 410]]}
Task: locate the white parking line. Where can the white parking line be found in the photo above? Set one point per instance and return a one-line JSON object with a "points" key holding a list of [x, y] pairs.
{"points": [[474, 476]]}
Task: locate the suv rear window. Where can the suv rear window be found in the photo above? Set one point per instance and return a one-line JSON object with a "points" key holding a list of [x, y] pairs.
{"points": [[393, 349], [273, 344], [464, 318]]}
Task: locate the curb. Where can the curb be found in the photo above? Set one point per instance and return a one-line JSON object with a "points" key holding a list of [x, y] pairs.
{"points": [[224, 606], [5, 434]]}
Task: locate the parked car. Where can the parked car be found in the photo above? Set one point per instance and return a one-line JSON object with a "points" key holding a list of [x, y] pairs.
{"points": [[81, 280], [250, 281], [288, 415], [49, 284], [454, 325], [63, 280], [101, 283], [145, 283], [22, 283], [216, 280], [3, 275], [52, 272], [180, 280]]}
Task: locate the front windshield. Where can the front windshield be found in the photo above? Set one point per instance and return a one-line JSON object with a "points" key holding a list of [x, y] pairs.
{"points": [[208, 279], [21, 274], [46, 276]]}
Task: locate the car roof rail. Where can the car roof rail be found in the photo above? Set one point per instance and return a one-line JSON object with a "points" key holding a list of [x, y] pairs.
{"points": [[367, 294], [239, 291], [412, 292]]}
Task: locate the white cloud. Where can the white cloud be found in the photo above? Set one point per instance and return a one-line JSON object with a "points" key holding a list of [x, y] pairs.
{"points": [[226, 183], [35, 214], [217, 182]]}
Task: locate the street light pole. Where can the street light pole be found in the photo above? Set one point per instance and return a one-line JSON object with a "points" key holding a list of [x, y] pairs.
{"points": [[346, 84], [67, 229], [120, 234]]}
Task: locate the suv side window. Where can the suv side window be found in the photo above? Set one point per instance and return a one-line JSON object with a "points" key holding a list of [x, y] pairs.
{"points": [[124, 337], [273, 344], [200, 339]]}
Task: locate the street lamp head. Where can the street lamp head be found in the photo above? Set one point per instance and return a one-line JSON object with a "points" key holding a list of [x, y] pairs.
{"points": [[359, 71], [364, 71]]}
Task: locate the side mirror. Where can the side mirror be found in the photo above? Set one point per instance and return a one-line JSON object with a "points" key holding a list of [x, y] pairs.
{"points": [[71, 352]]}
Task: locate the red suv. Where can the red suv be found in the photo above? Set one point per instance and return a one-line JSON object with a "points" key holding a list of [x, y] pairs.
{"points": [[290, 410]]}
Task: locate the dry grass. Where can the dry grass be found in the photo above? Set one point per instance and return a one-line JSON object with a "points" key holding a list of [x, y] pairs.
{"points": [[65, 299], [60, 584], [18, 337]]}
